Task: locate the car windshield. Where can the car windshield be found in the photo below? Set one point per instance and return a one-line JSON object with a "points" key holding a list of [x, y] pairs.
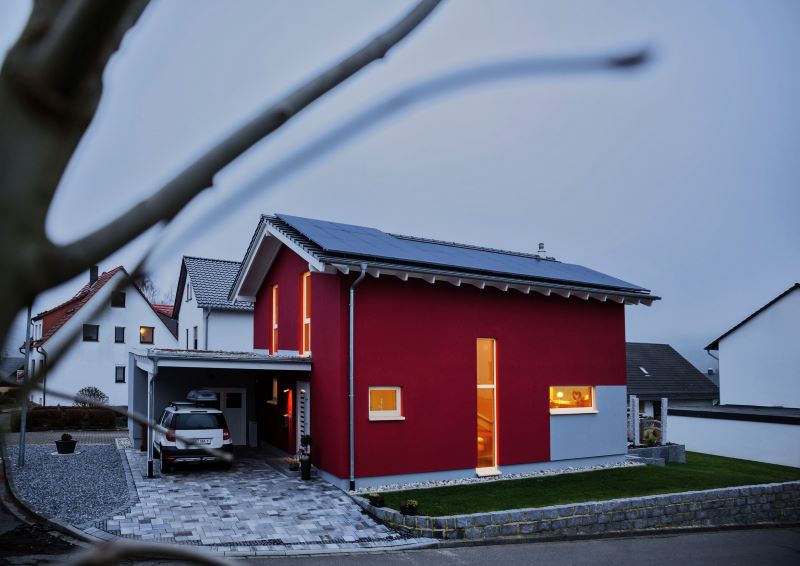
{"points": [[198, 421]]}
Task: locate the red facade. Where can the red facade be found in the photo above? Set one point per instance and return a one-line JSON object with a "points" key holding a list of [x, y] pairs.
{"points": [[422, 337]]}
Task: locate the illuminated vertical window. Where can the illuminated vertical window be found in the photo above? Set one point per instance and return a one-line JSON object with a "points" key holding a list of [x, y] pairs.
{"points": [[306, 315], [274, 334], [486, 403]]}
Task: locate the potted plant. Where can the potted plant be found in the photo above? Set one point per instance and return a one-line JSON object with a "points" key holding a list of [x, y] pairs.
{"points": [[408, 507], [376, 500], [66, 445], [294, 465]]}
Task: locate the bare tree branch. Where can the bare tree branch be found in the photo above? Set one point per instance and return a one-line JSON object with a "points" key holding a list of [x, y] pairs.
{"points": [[198, 176]]}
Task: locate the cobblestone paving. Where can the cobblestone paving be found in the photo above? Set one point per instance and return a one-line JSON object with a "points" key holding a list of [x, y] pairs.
{"points": [[251, 509]]}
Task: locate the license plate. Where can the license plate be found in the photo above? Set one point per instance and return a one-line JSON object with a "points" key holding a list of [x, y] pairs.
{"points": [[203, 441]]}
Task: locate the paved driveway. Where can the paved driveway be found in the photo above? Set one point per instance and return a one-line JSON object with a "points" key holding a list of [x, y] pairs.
{"points": [[250, 509]]}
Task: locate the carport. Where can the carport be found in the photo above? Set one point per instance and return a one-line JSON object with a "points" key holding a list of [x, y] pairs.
{"points": [[249, 385]]}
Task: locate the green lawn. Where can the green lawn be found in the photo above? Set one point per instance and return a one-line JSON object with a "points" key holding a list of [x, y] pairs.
{"points": [[701, 471]]}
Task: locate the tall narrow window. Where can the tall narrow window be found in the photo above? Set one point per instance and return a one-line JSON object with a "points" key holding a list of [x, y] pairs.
{"points": [[487, 445], [306, 315], [273, 342]]}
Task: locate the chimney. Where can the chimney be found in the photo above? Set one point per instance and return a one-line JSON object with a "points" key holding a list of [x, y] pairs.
{"points": [[710, 371], [93, 275]]}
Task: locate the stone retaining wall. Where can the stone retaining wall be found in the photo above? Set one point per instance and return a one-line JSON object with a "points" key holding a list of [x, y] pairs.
{"points": [[747, 505]]}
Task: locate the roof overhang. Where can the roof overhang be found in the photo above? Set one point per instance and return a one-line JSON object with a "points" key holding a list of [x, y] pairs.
{"points": [[268, 239], [164, 358], [263, 250]]}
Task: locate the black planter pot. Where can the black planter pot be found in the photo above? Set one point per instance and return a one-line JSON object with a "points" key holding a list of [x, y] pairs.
{"points": [[66, 446], [406, 510], [305, 468]]}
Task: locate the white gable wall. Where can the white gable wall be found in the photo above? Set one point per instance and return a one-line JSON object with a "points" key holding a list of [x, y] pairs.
{"points": [[94, 363], [230, 331], [759, 363]]}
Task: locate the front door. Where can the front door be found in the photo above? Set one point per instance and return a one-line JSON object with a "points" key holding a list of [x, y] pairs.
{"points": [[233, 404]]}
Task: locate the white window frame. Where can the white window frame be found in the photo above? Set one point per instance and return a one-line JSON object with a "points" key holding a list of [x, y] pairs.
{"points": [[395, 415], [188, 291], [575, 410], [274, 333], [305, 283]]}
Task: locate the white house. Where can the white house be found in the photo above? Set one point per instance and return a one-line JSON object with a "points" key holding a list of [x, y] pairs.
{"points": [[759, 371], [207, 320], [98, 355]]}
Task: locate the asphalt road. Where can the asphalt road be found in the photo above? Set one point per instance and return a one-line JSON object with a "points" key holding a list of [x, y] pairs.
{"points": [[731, 548]]}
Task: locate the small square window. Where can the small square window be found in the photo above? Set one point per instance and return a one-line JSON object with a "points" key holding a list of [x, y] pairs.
{"points": [[118, 299], [119, 334], [570, 399], [384, 404], [119, 376], [146, 334], [91, 332]]}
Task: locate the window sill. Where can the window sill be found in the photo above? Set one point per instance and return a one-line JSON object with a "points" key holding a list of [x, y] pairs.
{"points": [[573, 411], [393, 418]]}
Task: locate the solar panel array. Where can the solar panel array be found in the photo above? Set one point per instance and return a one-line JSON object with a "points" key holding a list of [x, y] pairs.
{"points": [[347, 239]]}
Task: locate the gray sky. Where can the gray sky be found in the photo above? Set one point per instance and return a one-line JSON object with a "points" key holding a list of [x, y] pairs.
{"points": [[681, 178]]}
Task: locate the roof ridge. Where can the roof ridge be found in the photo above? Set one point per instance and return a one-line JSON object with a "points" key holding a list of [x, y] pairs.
{"points": [[471, 246], [211, 259]]}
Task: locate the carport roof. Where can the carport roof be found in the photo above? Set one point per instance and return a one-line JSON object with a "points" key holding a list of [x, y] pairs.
{"points": [[165, 357]]}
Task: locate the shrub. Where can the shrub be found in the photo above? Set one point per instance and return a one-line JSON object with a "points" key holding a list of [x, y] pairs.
{"points": [[91, 393], [50, 418]]}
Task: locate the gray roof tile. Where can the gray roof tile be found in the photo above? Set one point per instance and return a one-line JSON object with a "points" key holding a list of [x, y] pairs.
{"points": [[211, 282], [668, 374]]}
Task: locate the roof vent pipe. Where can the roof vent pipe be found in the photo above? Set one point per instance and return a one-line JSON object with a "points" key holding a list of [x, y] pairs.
{"points": [[541, 251], [93, 275]]}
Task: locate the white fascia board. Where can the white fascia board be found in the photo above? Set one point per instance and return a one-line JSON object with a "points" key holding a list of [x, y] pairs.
{"points": [[289, 243], [248, 263], [233, 364], [145, 363]]}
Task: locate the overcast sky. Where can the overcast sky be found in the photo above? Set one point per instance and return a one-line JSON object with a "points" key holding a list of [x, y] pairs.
{"points": [[682, 178]]}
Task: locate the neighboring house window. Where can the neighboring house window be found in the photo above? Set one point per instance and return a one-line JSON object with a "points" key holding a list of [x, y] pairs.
{"points": [[146, 334], [187, 338], [91, 332], [274, 335], [119, 334], [305, 347], [274, 400], [188, 291], [195, 337], [568, 399], [486, 409], [119, 375], [33, 368], [118, 299], [385, 404]]}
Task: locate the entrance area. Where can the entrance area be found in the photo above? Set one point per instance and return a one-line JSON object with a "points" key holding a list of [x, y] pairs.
{"points": [[233, 404]]}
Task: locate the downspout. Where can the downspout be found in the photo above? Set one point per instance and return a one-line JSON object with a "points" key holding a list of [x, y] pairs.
{"points": [[206, 314], [23, 415], [43, 352], [352, 364]]}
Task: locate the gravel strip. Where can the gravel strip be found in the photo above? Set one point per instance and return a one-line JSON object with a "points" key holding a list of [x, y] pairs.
{"points": [[503, 477], [78, 489]]}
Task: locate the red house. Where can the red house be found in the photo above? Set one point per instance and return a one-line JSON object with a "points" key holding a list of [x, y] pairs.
{"points": [[435, 360]]}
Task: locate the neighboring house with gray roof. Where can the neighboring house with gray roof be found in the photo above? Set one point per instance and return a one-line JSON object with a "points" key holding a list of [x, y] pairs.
{"points": [[206, 318], [656, 371]]}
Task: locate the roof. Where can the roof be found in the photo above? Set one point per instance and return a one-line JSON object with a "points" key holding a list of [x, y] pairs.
{"points": [[668, 374], [336, 244], [714, 345], [9, 366], [53, 319], [166, 310], [211, 281], [752, 413]]}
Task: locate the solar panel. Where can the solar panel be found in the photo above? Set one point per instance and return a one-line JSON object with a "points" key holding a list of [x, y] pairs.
{"points": [[348, 239]]}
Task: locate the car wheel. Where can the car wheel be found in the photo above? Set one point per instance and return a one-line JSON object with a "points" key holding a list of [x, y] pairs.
{"points": [[166, 467]]}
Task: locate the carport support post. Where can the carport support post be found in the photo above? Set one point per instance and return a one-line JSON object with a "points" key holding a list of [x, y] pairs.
{"points": [[664, 412], [150, 410]]}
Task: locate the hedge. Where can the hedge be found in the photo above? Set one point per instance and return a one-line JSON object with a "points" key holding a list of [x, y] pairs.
{"points": [[59, 418]]}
